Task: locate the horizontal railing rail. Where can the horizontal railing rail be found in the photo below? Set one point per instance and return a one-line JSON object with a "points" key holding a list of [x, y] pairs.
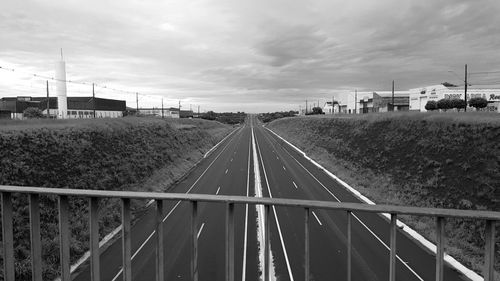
{"points": [[94, 195]]}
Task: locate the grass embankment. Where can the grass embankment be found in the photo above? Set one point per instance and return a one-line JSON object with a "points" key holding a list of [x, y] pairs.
{"points": [[135, 154], [425, 160]]}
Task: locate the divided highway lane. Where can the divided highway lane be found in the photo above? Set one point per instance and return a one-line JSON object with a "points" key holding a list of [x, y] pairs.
{"points": [[225, 171], [290, 175]]}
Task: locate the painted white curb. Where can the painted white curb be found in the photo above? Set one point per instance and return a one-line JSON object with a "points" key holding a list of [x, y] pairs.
{"points": [[415, 235], [117, 230]]}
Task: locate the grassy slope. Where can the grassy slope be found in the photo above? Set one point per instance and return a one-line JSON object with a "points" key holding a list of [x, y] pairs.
{"points": [[428, 160], [110, 154]]}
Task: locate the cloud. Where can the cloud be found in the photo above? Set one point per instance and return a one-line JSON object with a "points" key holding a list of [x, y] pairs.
{"points": [[252, 55]]}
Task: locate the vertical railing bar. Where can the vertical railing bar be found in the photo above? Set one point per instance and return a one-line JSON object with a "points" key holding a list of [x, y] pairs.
{"points": [[440, 248], [94, 239], [8, 237], [349, 245], [392, 266], [194, 240], [267, 241], [489, 251], [306, 245], [126, 240], [36, 243], [160, 273], [230, 242], [64, 237]]}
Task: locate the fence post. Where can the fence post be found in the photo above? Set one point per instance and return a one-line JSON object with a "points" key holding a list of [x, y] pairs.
{"points": [[36, 243], [392, 266], [94, 239], [126, 241], [440, 248], [489, 251], [194, 240], [160, 273], [267, 241], [306, 245], [230, 242], [349, 245], [7, 237], [64, 237]]}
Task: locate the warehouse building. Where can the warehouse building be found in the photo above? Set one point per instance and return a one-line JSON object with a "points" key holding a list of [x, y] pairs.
{"points": [[77, 107], [420, 96]]}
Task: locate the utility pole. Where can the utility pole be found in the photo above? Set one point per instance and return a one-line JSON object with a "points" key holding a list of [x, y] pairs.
{"points": [[198, 111], [465, 88], [332, 103], [306, 107], [137, 102], [179, 109], [356, 101], [93, 99], [162, 116], [48, 104], [393, 95]]}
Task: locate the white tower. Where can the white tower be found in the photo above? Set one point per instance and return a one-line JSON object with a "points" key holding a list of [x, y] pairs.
{"points": [[62, 102]]}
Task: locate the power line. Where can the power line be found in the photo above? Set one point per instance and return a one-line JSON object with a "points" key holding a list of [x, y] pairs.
{"points": [[44, 77]]}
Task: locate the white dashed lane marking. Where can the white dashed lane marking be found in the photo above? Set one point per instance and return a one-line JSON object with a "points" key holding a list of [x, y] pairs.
{"points": [[294, 184], [284, 168], [314, 214], [218, 189], [199, 231], [226, 171]]}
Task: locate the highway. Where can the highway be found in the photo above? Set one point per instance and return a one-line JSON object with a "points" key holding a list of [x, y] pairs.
{"points": [[283, 173]]}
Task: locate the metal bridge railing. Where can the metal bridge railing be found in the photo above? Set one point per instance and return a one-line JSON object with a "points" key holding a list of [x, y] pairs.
{"points": [[230, 201]]}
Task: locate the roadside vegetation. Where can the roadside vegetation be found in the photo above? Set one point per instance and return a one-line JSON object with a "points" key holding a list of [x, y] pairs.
{"points": [[270, 116], [230, 118], [134, 154], [442, 160]]}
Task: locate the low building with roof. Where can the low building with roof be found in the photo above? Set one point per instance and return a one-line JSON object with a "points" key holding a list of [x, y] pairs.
{"points": [[77, 107]]}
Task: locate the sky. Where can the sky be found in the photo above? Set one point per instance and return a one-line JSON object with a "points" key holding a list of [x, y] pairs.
{"points": [[245, 55]]}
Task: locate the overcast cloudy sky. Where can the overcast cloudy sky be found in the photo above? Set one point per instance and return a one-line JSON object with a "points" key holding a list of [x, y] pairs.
{"points": [[249, 55]]}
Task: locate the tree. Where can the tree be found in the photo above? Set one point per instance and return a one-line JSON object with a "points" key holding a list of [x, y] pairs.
{"points": [[478, 103], [431, 105], [444, 104], [317, 110], [33, 112], [446, 84], [210, 115], [458, 103]]}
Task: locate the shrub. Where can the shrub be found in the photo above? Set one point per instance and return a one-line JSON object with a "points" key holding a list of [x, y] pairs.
{"points": [[317, 110], [458, 103], [33, 112], [478, 103], [431, 105], [444, 104]]}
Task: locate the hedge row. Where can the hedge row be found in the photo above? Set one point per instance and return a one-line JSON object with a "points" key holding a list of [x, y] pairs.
{"points": [[98, 154]]}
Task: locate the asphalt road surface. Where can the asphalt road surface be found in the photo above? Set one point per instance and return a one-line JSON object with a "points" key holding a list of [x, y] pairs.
{"points": [[284, 173]]}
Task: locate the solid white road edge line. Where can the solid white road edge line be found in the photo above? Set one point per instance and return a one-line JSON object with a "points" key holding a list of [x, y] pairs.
{"points": [[171, 211], [410, 231], [215, 146], [357, 218], [260, 216], [276, 217], [117, 230], [314, 214], [245, 237]]}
